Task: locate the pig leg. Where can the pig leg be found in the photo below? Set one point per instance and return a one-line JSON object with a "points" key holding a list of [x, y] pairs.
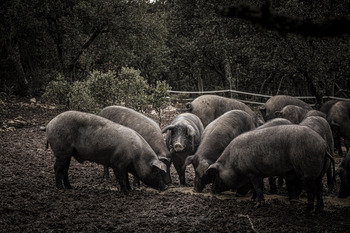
{"points": [[273, 187], [122, 178], [61, 172], [337, 145], [310, 190], [258, 184], [105, 172], [330, 183], [347, 143], [319, 198], [178, 164]]}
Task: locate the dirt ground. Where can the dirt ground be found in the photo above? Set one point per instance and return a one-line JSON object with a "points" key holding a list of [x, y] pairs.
{"points": [[30, 201]]}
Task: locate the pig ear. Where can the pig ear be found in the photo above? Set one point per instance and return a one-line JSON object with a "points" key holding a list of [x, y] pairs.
{"points": [[191, 131], [213, 169], [202, 168], [169, 127], [160, 165], [278, 114], [188, 161], [262, 110], [165, 160]]}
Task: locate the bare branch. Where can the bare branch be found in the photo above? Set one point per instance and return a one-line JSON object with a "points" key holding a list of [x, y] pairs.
{"points": [[283, 24]]}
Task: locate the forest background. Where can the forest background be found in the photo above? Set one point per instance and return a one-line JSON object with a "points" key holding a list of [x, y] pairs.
{"points": [[93, 51]]}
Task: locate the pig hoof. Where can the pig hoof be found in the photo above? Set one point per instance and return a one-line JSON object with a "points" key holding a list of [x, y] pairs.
{"points": [[259, 204]]}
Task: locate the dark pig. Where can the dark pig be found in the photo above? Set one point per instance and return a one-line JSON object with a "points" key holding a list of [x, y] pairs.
{"points": [[296, 114], [210, 107], [182, 138], [326, 106], [291, 151], [271, 123], [344, 173], [275, 122], [142, 124], [93, 138], [276, 103], [321, 126], [216, 136], [338, 118]]}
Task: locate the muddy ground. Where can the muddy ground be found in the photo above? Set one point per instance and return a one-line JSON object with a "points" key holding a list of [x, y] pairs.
{"points": [[30, 201]]}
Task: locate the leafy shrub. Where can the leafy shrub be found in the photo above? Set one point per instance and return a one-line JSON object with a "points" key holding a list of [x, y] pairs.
{"points": [[132, 88], [57, 91], [103, 87], [80, 98], [159, 96]]}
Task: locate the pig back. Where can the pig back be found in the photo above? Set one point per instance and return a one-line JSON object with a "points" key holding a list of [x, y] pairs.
{"points": [[276, 151], [277, 103], [93, 138], [220, 132], [210, 107], [142, 124]]}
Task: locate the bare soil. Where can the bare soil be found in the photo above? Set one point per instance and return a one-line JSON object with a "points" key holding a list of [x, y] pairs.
{"points": [[30, 201]]}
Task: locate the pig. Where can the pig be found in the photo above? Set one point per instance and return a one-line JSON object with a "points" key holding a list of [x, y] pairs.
{"points": [[93, 138], [321, 126], [271, 123], [183, 136], [338, 118], [142, 124], [296, 114], [344, 173], [291, 151], [276, 103], [326, 106], [210, 107], [216, 136]]}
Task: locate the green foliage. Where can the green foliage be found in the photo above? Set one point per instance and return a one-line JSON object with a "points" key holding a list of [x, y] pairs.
{"points": [[103, 87], [160, 95], [133, 88], [80, 98], [57, 90]]}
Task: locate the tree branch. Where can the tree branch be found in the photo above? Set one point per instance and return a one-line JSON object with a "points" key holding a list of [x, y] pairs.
{"points": [[283, 24]]}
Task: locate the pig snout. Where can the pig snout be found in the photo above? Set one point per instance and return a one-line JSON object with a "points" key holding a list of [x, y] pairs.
{"points": [[178, 147]]}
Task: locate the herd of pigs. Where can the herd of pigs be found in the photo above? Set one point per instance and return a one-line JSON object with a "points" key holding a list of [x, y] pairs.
{"points": [[224, 140]]}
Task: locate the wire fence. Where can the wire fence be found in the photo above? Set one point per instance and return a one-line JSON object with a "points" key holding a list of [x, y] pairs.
{"points": [[245, 97]]}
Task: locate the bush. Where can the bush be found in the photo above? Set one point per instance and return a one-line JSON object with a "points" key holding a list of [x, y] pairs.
{"points": [[133, 89], [80, 98], [159, 96], [103, 87], [57, 90], [100, 89]]}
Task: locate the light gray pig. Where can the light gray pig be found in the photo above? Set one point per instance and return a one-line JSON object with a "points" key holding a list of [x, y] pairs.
{"points": [[210, 107], [291, 151], [93, 138], [182, 138], [216, 136], [296, 114], [142, 124], [321, 126], [276, 103]]}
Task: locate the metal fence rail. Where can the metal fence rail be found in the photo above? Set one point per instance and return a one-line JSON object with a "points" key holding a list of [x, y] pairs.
{"points": [[251, 99]]}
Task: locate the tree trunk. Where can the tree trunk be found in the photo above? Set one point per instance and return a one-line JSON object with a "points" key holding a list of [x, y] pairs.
{"points": [[15, 56], [86, 45], [228, 71]]}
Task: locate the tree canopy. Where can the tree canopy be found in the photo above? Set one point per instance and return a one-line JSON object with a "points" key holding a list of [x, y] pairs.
{"points": [[192, 45]]}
